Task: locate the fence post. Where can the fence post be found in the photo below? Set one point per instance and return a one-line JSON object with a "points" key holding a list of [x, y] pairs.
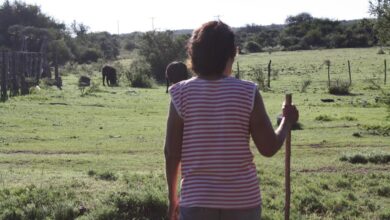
{"points": [[17, 73], [3, 77], [23, 73], [56, 73], [327, 62], [238, 71], [349, 71], [269, 74], [385, 71]]}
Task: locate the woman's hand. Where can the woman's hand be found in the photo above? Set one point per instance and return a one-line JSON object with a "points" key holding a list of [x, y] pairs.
{"points": [[290, 112], [173, 210]]}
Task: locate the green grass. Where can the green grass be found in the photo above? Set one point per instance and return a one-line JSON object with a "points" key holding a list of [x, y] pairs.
{"points": [[64, 155]]}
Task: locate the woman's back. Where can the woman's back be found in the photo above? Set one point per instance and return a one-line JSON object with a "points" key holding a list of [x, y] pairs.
{"points": [[217, 165]]}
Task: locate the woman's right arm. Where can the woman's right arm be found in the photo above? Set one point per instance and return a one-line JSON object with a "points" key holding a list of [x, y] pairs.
{"points": [[268, 141]]}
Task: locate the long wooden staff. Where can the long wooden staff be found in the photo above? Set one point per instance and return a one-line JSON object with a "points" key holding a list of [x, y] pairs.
{"points": [[288, 101]]}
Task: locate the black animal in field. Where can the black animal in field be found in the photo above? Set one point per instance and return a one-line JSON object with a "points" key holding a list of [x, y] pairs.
{"points": [[109, 75], [175, 72]]}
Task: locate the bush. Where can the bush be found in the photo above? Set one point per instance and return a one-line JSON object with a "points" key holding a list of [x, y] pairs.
{"points": [[323, 118], [139, 74], [339, 88], [381, 51], [258, 75], [384, 191], [107, 175], [311, 204], [91, 173], [349, 118], [89, 55], [145, 198], [377, 129], [373, 157], [253, 47], [130, 46], [161, 48], [358, 158], [385, 216], [37, 203], [304, 85]]}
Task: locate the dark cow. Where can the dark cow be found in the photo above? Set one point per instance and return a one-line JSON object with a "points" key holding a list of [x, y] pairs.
{"points": [[109, 74], [175, 72]]}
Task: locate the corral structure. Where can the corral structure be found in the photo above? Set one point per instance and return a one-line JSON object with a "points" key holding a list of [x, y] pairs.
{"points": [[21, 70]]}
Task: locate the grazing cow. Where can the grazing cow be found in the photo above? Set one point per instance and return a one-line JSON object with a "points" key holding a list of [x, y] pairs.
{"points": [[109, 74], [175, 72]]}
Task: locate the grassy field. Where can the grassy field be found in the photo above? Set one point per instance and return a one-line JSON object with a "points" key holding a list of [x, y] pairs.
{"points": [[64, 155]]}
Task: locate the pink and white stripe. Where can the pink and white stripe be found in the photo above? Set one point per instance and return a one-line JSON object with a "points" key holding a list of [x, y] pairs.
{"points": [[217, 164]]}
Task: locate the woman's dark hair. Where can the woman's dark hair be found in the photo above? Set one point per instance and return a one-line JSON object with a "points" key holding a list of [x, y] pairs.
{"points": [[210, 48]]}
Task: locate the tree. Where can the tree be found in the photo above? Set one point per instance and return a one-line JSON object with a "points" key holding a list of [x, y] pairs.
{"points": [[381, 9], [252, 47], [161, 48], [19, 20]]}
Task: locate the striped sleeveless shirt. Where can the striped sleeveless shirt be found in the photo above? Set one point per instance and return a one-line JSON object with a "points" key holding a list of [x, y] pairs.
{"points": [[216, 162]]}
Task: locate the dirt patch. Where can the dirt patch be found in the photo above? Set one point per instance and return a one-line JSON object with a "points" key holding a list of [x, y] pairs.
{"points": [[331, 169]]}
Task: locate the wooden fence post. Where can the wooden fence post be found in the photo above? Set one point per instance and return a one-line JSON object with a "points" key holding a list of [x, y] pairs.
{"points": [[385, 71], [238, 71], [23, 73], [349, 71], [17, 73], [56, 72], [3, 77], [269, 74], [327, 63]]}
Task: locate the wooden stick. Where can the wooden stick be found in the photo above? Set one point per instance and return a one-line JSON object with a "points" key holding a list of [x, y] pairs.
{"points": [[269, 74], [349, 71], [288, 101], [385, 71]]}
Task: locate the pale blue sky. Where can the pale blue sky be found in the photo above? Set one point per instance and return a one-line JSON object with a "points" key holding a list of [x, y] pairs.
{"points": [[136, 15]]}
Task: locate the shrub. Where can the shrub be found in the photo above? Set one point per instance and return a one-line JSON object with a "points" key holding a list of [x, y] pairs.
{"points": [[358, 158], [311, 204], [37, 203], [339, 88], [384, 191], [161, 48], [349, 118], [305, 85], [377, 129], [373, 157], [142, 81], [144, 199], [65, 212], [252, 47], [130, 46], [379, 158], [343, 184], [258, 75], [90, 90], [89, 55], [139, 74], [381, 51], [107, 175], [385, 216], [91, 173], [323, 118]]}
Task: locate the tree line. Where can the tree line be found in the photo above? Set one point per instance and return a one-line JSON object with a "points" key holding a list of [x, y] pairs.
{"points": [[26, 27], [303, 32]]}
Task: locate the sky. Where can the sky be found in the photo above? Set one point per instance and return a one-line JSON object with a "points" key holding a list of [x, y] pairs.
{"points": [[125, 16]]}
